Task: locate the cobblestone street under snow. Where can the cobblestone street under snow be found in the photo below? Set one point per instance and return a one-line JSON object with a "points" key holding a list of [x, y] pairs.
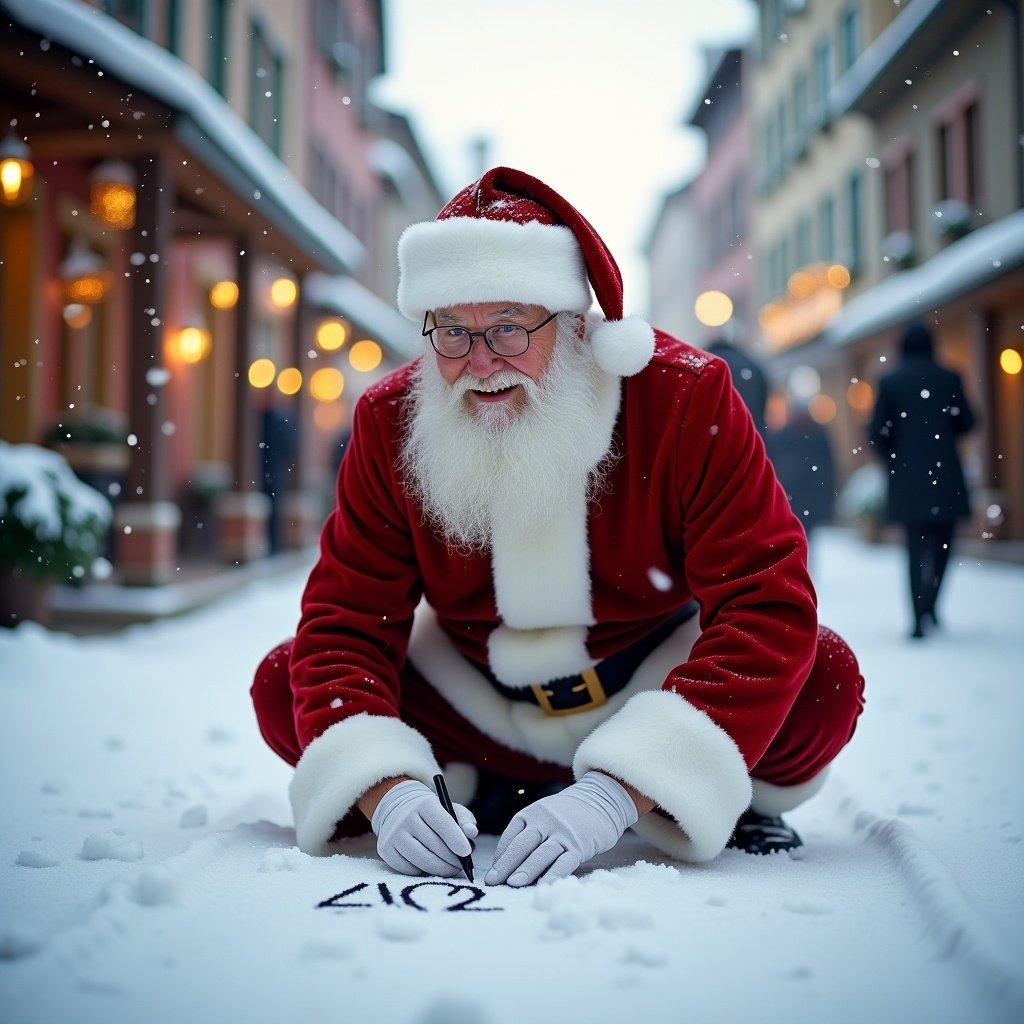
{"points": [[149, 869]]}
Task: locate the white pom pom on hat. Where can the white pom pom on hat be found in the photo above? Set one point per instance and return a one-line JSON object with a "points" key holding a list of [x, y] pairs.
{"points": [[509, 237]]}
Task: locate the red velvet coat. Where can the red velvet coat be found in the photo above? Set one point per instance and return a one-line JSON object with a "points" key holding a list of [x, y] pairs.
{"points": [[691, 508]]}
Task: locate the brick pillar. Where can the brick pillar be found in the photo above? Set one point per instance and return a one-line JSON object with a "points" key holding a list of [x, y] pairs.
{"points": [[302, 512], [242, 512], [146, 523]]}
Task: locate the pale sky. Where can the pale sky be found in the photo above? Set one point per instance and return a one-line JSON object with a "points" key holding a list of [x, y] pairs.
{"points": [[588, 95]]}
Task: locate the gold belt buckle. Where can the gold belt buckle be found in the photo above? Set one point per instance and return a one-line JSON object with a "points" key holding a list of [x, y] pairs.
{"points": [[591, 683]]}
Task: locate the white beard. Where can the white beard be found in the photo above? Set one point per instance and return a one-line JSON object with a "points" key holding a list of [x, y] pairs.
{"points": [[528, 463]]}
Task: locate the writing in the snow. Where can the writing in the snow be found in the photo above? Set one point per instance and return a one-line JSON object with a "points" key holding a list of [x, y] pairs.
{"points": [[407, 898]]}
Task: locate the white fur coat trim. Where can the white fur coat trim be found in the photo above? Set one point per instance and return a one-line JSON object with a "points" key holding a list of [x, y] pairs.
{"points": [[676, 755], [471, 259], [342, 763], [774, 800], [519, 725], [542, 576]]}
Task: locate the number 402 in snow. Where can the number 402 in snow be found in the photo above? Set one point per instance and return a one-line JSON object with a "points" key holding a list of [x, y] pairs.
{"points": [[406, 896]]}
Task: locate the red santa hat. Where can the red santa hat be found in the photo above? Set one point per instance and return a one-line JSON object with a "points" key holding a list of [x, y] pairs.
{"points": [[510, 237]]}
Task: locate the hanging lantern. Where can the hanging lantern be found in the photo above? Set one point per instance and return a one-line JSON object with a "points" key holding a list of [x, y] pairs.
{"points": [[192, 342], [283, 293], [77, 316], [112, 194], [16, 171], [331, 334], [84, 276], [224, 295], [365, 355]]}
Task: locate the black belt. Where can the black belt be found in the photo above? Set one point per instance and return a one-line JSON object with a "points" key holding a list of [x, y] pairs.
{"points": [[593, 686]]}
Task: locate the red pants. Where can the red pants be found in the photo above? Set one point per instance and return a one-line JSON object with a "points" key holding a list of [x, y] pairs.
{"points": [[818, 726]]}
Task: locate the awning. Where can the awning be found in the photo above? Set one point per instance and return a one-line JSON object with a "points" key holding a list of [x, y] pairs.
{"points": [[348, 298], [900, 50], [973, 261], [206, 124]]}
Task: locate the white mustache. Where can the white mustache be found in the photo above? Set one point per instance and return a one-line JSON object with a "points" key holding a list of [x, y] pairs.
{"points": [[504, 378]]}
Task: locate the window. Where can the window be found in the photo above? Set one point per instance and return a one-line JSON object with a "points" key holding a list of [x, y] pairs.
{"points": [[782, 156], [827, 229], [323, 182], [800, 120], [899, 198], [266, 84], [129, 12], [333, 35], [824, 75], [737, 209], [804, 246], [855, 218], [217, 54], [172, 29], [849, 37], [958, 152]]}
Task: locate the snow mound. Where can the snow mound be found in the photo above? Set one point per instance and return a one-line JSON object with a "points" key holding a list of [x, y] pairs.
{"points": [[326, 949], [398, 929], [193, 817], [35, 859], [454, 1010], [110, 846], [17, 942], [282, 859], [154, 887]]}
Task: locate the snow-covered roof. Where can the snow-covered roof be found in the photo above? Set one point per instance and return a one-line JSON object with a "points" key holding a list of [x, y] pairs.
{"points": [[980, 257], [880, 57], [348, 298], [207, 120], [390, 159]]}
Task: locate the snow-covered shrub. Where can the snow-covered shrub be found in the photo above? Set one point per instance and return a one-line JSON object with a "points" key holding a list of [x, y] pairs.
{"points": [[951, 218], [51, 524], [863, 495], [92, 426]]}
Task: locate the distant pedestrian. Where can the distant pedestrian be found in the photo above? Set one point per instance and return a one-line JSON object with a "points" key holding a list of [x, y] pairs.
{"points": [[278, 451], [748, 378], [801, 453], [920, 412]]}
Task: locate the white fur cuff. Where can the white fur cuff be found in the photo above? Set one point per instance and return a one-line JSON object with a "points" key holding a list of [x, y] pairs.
{"points": [[522, 657], [674, 754], [774, 800], [472, 259], [343, 763]]}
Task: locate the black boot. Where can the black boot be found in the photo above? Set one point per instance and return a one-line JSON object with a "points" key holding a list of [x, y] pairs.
{"points": [[498, 798], [759, 833]]}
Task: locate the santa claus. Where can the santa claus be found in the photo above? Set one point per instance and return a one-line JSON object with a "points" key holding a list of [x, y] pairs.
{"points": [[560, 568]]}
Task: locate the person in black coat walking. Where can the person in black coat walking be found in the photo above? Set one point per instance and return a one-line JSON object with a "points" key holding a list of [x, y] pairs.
{"points": [[920, 412], [748, 378], [801, 453]]}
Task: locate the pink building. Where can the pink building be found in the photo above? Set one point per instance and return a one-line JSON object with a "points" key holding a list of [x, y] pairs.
{"points": [[721, 199]]}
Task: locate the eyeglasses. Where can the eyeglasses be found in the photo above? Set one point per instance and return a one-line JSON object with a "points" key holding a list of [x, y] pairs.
{"points": [[502, 339]]}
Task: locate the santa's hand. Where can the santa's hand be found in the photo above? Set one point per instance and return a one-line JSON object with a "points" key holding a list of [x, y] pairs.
{"points": [[554, 836], [417, 836]]}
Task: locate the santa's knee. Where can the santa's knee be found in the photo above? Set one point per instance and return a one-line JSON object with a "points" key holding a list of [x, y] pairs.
{"points": [[272, 701], [835, 686]]}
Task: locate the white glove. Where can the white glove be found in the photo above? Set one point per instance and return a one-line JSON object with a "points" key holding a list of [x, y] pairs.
{"points": [[417, 836], [554, 836]]}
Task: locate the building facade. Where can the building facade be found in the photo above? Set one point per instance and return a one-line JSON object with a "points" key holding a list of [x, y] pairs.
{"points": [[194, 240], [944, 87], [698, 243]]}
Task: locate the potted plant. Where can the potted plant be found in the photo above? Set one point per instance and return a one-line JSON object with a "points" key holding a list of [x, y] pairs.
{"points": [[93, 441], [951, 219], [862, 500], [52, 527]]}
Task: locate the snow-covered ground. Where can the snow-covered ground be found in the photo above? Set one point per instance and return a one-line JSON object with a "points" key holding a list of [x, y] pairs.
{"points": [[148, 870]]}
